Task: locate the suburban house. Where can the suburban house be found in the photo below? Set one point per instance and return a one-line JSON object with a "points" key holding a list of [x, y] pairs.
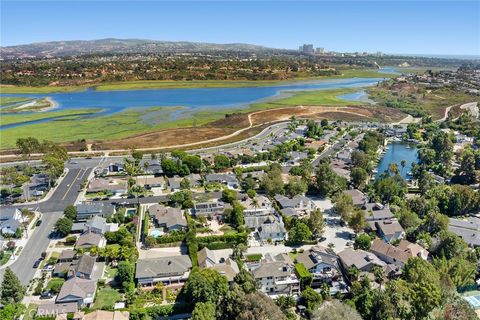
{"points": [[362, 260], [39, 183], [376, 212], [110, 185], [260, 205], [295, 157], [174, 183], [389, 253], [151, 166], [358, 197], [228, 179], [99, 225], [87, 210], [468, 229], [10, 221], [174, 269], [81, 291], [276, 276], [167, 217], [87, 267], [255, 175], [300, 203], [149, 182], [321, 262], [210, 209], [389, 230], [220, 261], [413, 249], [56, 309], [272, 230], [90, 239]]}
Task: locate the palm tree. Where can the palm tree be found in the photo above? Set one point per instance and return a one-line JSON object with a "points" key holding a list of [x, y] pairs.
{"points": [[379, 275], [393, 168], [255, 204], [403, 163]]}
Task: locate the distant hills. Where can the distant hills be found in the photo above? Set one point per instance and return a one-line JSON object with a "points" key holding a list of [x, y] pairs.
{"points": [[120, 46]]}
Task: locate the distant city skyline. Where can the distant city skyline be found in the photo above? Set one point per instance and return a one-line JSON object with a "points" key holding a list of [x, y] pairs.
{"points": [[427, 27]]}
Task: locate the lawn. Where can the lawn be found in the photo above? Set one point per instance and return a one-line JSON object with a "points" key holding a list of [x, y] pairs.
{"points": [[110, 272], [54, 285], [106, 298], [227, 229], [6, 257]]}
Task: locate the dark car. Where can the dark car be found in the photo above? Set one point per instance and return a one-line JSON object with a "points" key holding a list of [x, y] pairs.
{"points": [[46, 295], [36, 264], [39, 222]]}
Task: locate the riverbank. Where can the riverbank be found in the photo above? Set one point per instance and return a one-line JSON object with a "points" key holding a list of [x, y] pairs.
{"points": [[167, 84]]}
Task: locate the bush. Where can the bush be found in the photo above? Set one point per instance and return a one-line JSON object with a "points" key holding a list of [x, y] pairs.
{"points": [[70, 240], [304, 275], [177, 237]]}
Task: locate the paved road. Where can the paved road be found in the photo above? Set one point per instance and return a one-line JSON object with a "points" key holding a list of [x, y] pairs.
{"points": [[52, 209]]}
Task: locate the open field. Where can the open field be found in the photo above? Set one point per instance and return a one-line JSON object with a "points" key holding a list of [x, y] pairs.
{"points": [[418, 100], [167, 84]]}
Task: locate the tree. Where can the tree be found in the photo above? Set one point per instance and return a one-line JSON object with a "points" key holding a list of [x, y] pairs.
{"points": [[246, 281], [299, 233], [450, 245], [295, 186], [335, 310], [70, 212], [229, 195], [387, 187], [360, 160], [316, 222], [27, 146], [343, 205], [204, 311], [310, 298], [206, 285], [357, 220], [379, 274], [327, 181], [125, 272], [12, 311], [424, 281], [193, 162], [362, 242], [221, 162], [313, 130], [359, 177], [12, 289], [185, 184], [285, 302], [63, 226], [238, 217], [255, 306], [272, 182]]}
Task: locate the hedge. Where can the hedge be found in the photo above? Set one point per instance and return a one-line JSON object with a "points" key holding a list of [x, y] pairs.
{"points": [[158, 311], [303, 274], [177, 237], [231, 238], [216, 245]]}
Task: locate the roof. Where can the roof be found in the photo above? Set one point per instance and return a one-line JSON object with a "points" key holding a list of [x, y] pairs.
{"points": [[94, 208], [77, 287], [272, 269], [107, 315], [67, 254], [358, 258], [389, 227], [221, 177], [8, 213], [50, 308], [229, 269], [89, 238], [207, 257], [375, 211], [386, 249], [286, 202], [317, 254], [98, 222], [100, 184], [85, 264], [414, 249], [289, 212], [167, 215], [270, 226], [358, 196], [164, 266]]}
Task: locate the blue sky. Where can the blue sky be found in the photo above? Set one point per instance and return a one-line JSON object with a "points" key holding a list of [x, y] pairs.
{"points": [[428, 27]]}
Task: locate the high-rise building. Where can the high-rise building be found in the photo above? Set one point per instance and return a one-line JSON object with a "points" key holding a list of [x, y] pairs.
{"points": [[307, 48], [320, 50]]}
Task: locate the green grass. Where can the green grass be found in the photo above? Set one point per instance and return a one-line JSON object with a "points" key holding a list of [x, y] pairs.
{"points": [[40, 89], [5, 258], [106, 298], [19, 118], [110, 272], [10, 100], [227, 229], [54, 283], [311, 98]]}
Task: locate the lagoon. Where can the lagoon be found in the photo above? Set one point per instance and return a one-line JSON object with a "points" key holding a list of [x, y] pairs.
{"points": [[396, 152], [190, 99]]}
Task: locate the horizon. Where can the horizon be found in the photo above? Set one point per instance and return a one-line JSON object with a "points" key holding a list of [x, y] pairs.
{"points": [[450, 28]]}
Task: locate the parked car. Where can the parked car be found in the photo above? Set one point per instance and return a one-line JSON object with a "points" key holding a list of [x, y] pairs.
{"points": [[39, 222], [36, 264], [46, 295]]}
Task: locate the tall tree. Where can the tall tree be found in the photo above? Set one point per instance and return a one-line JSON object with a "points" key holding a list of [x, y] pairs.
{"points": [[12, 289]]}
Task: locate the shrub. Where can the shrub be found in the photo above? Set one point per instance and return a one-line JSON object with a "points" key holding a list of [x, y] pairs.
{"points": [[304, 275]]}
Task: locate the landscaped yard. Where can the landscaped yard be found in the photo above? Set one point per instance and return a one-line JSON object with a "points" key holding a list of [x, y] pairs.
{"points": [[110, 272], [106, 298]]}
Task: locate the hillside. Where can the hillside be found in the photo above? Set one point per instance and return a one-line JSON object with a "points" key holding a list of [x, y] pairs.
{"points": [[118, 46]]}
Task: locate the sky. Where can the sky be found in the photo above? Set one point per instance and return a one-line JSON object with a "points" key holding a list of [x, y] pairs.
{"points": [[415, 27]]}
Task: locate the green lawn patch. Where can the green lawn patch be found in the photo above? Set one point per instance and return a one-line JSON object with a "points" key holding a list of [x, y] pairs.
{"points": [[6, 256], [110, 271], [254, 257], [106, 298], [54, 285]]}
